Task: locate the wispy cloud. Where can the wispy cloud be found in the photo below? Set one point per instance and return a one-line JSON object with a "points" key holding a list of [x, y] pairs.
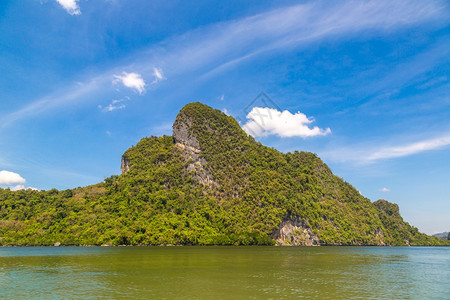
{"points": [[306, 23], [158, 75], [112, 106], [265, 121], [212, 49], [409, 149], [116, 104], [61, 97], [385, 190], [71, 6], [131, 80], [405, 73], [368, 154]]}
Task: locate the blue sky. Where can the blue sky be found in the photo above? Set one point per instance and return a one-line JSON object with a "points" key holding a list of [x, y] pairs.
{"points": [[364, 84]]}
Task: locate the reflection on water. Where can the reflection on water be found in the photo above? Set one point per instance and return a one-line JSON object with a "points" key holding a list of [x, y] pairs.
{"points": [[226, 272]]}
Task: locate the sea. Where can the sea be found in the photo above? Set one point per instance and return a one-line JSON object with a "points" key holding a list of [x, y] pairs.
{"points": [[209, 272]]}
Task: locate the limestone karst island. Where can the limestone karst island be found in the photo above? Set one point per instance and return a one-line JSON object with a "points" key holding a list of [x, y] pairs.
{"points": [[208, 184]]}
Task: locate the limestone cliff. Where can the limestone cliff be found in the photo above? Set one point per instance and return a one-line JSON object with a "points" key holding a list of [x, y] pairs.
{"points": [[181, 131], [208, 184], [187, 143], [124, 165], [293, 231]]}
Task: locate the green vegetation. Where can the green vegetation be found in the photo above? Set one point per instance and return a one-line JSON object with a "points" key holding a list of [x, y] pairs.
{"points": [[231, 190]]}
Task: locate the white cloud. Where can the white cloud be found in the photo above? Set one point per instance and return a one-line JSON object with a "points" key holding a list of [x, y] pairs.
{"points": [[373, 152], [132, 81], [305, 23], [17, 187], [158, 75], [8, 178], [71, 6], [22, 187], [264, 121], [214, 48], [112, 107], [385, 190], [409, 149], [115, 104], [60, 98]]}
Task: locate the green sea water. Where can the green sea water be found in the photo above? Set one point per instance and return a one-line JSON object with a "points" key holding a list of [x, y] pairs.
{"points": [[225, 272]]}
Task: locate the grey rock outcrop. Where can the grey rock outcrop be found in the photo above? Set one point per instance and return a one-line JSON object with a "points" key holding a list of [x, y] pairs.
{"points": [[124, 165], [181, 132], [189, 146], [293, 231], [196, 166]]}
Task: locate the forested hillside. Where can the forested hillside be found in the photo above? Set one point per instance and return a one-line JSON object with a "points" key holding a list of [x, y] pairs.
{"points": [[209, 183]]}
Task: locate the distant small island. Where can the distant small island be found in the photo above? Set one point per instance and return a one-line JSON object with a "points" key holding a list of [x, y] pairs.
{"points": [[443, 235], [208, 184]]}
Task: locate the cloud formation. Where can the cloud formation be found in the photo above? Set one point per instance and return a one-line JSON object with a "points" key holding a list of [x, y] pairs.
{"points": [[409, 149], [17, 187], [8, 178], [132, 80], [265, 121], [158, 75], [385, 190], [11, 178], [63, 97], [22, 187], [115, 104], [308, 22], [71, 6], [222, 45], [371, 153]]}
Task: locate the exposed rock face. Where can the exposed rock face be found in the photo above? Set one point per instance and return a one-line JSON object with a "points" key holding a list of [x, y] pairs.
{"points": [[379, 236], [293, 231], [190, 149], [181, 132], [124, 165], [196, 167]]}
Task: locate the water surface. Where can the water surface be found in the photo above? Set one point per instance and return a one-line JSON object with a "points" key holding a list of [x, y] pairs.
{"points": [[225, 272]]}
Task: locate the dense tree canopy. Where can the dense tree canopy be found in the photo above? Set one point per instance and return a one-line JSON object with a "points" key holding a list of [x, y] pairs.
{"points": [[228, 190]]}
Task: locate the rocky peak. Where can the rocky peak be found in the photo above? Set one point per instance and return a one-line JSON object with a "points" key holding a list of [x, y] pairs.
{"points": [[188, 144], [198, 125], [390, 209], [182, 131]]}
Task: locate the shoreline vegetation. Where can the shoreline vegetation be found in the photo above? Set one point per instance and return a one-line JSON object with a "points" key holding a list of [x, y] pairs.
{"points": [[208, 184], [213, 245]]}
